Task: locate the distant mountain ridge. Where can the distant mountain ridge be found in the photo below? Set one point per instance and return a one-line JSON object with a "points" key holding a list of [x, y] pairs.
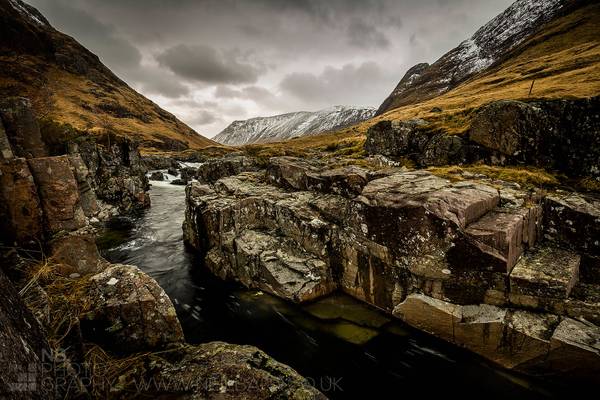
{"points": [[287, 126], [68, 84], [489, 45]]}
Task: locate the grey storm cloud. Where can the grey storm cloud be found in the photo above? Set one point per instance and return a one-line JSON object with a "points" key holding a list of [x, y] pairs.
{"points": [[349, 84], [361, 34], [206, 64], [212, 61]]}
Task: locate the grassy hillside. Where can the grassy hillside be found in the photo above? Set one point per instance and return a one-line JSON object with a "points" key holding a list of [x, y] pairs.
{"points": [[69, 85], [563, 59]]}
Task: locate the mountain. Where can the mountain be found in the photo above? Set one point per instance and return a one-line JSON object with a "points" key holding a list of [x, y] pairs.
{"points": [[490, 45], [68, 84], [287, 126]]}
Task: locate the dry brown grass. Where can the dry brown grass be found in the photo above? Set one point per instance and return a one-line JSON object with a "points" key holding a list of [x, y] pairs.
{"points": [[525, 176], [76, 100], [63, 304]]}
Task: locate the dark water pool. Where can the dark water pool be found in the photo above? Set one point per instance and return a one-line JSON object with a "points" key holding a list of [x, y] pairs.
{"points": [[345, 348]]}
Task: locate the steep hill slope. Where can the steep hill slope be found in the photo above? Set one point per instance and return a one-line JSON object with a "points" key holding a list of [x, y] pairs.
{"points": [[286, 126], [562, 60], [69, 85], [490, 45]]}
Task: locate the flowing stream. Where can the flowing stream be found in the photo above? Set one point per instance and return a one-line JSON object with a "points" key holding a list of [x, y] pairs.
{"points": [[345, 348]]}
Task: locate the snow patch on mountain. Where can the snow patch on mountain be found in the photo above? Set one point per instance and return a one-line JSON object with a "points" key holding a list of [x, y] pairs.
{"points": [[286, 126], [28, 12]]}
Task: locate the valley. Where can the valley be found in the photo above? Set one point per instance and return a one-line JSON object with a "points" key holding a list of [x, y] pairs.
{"points": [[445, 243]]}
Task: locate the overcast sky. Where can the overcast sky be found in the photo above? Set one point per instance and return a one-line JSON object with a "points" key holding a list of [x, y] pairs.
{"points": [[214, 61]]}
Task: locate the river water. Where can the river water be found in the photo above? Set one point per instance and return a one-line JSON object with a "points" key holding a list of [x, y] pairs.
{"points": [[345, 348]]}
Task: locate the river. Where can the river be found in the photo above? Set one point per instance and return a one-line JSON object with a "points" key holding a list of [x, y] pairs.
{"points": [[345, 348]]}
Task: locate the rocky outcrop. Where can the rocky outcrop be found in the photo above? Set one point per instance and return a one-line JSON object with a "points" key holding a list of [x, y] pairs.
{"points": [[563, 135], [213, 170], [21, 128], [517, 339], [20, 210], [435, 253], [118, 174], [27, 360], [224, 371], [130, 312]]}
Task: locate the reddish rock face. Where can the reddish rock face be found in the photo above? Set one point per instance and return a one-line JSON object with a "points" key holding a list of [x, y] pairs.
{"points": [[20, 207], [76, 253], [22, 128], [59, 193]]}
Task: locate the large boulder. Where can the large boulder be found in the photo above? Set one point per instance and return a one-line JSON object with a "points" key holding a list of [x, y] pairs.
{"points": [[130, 311], [27, 360], [558, 134], [397, 138], [21, 127], [223, 371]]}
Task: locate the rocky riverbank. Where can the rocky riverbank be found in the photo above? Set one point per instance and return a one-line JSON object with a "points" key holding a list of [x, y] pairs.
{"points": [[76, 326], [507, 273]]}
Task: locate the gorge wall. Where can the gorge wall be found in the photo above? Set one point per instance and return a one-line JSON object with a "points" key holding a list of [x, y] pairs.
{"points": [[507, 273]]}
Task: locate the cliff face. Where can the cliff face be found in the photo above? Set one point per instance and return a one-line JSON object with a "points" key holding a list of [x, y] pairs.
{"points": [[287, 126], [491, 44], [69, 85]]}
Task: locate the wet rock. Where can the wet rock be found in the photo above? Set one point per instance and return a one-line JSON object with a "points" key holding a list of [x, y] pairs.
{"points": [[218, 370], [173, 171], [188, 173], [574, 220], [157, 161], [27, 361], [20, 210], [213, 170], [575, 350], [179, 182], [130, 312], [59, 193], [21, 127], [545, 272], [157, 176], [87, 196], [513, 339]]}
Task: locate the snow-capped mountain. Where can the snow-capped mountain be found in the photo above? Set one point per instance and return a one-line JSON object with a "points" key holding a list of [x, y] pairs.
{"points": [[490, 44], [286, 126]]}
